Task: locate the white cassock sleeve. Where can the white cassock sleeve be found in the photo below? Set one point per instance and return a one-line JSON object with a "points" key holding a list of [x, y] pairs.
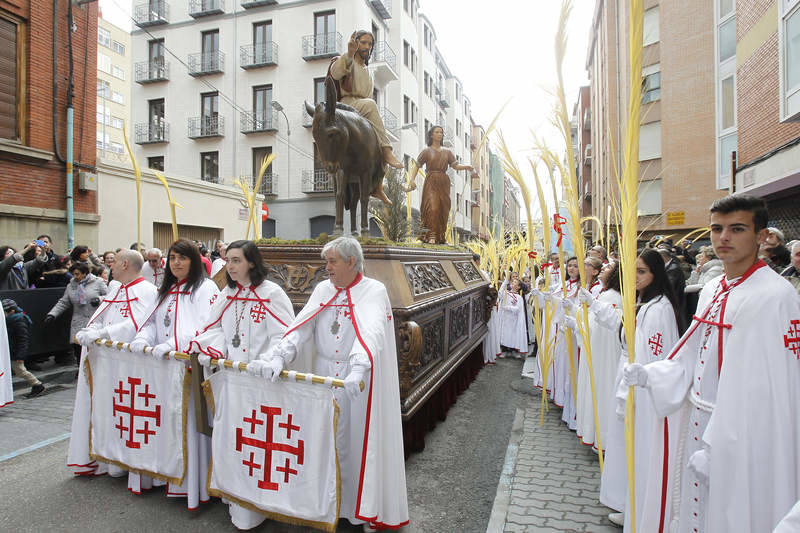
{"points": [[211, 340]]}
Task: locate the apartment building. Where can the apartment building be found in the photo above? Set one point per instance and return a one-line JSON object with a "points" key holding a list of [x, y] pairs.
{"points": [[511, 205], [496, 194], [765, 106], [581, 133], [113, 90], [481, 204], [35, 69], [679, 174], [220, 84]]}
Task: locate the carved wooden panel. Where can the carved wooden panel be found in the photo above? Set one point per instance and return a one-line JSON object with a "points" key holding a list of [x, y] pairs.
{"points": [[425, 278], [458, 324], [478, 312], [432, 345], [297, 278], [467, 271]]}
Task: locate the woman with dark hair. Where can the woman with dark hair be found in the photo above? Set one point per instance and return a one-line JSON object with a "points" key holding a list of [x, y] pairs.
{"points": [[249, 317], [656, 334], [83, 294], [605, 355], [435, 205], [183, 306]]}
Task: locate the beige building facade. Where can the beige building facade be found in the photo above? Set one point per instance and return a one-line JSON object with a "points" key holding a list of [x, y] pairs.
{"points": [[481, 205], [113, 90], [678, 141]]}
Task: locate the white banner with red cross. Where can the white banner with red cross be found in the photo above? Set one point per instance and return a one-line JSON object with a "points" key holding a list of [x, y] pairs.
{"points": [[274, 448], [138, 412]]}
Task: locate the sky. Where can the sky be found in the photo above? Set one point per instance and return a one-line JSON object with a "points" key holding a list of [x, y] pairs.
{"points": [[500, 50]]}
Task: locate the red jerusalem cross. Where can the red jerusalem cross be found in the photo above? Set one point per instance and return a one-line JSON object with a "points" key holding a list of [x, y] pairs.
{"points": [[124, 311], [269, 446], [258, 312], [792, 338], [655, 344], [132, 412]]}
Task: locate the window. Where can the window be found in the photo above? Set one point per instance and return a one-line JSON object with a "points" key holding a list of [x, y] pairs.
{"points": [[156, 51], [727, 39], [406, 54], [651, 83], [209, 166], [118, 47], [458, 93], [117, 97], [103, 63], [427, 126], [262, 103], [103, 89], [458, 128], [650, 197], [116, 122], [103, 114], [426, 78], [258, 157], [319, 90], [725, 66], [727, 103], [406, 110], [210, 51], [650, 32], [650, 141], [100, 144], [117, 72], [262, 39], [407, 6], [117, 148], [209, 112], [789, 56], [104, 37], [156, 119], [727, 145], [156, 163], [325, 32]]}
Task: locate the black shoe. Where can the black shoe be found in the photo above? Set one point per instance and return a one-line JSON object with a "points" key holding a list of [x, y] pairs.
{"points": [[36, 390], [32, 366]]}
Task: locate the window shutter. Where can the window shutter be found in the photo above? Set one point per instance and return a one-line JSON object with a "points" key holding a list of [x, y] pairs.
{"points": [[8, 80]]}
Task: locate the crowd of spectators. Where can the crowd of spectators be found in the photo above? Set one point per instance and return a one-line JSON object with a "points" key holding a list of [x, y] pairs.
{"points": [[83, 276]]}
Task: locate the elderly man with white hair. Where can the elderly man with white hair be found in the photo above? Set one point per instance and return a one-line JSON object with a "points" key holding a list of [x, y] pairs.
{"points": [[126, 305], [346, 331], [153, 269]]}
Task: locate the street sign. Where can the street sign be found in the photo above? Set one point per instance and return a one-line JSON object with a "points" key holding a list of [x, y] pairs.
{"points": [[676, 218]]}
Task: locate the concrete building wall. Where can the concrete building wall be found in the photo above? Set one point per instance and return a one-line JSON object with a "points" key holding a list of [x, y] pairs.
{"points": [[32, 177]]}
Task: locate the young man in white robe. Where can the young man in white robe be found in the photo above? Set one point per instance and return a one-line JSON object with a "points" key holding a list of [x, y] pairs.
{"points": [[726, 455], [184, 304], [346, 330], [123, 310], [249, 317]]}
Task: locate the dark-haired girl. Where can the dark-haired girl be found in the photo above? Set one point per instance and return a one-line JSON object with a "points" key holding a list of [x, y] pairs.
{"points": [[184, 303]]}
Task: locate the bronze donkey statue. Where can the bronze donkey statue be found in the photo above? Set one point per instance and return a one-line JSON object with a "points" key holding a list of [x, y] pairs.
{"points": [[349, 149]]}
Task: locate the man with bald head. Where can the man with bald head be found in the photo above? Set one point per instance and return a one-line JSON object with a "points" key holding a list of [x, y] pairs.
{"points": [[129, 300]]}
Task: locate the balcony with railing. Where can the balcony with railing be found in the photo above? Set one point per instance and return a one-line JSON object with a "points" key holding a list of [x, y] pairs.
{"points": [[322, 45], [151, 13], [383, 63], [390, 123], [150, 133], [308, 120], [209, 126], [201, 64], [256, 56], [151, 71], [447, 139], [442, 96], [247, 4], [260, 122], [269, 183], [382, 7], [206, 8], [317, 181]]}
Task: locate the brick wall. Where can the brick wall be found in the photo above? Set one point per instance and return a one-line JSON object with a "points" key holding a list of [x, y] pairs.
{"points": [[41, 184], [758, 99]]}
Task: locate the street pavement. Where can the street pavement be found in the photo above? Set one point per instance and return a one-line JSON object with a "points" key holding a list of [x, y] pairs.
{"points": [[550, 480]]}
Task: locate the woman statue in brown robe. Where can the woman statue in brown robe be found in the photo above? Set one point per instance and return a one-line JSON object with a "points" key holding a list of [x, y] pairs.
{"points": [[435, 207]]}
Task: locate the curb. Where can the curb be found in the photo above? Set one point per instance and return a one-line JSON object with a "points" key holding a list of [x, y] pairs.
{"points": [[497, 520]]}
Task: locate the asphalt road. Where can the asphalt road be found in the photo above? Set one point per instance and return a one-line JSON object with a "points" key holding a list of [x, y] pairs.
{"points": [[451, 484]]}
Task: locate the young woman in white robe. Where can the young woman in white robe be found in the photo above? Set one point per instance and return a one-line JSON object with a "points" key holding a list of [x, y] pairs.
{"points": [[656, 334], [249, 317], [184, 303], [563, 369], [605, 355], [513, 334]]}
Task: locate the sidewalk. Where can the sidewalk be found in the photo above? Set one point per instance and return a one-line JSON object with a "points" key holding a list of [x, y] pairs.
{"points": [[50, 373], [550, 481]]}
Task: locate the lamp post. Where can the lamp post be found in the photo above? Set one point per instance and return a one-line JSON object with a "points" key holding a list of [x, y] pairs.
{"points": [[279, 108]]}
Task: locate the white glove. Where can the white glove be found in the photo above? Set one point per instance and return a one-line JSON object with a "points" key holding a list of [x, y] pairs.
{"points": [[558, 314], [353, 381], [160, 350], [571, 323], [634, 375], [256, 367], [569, 305], [536, 293], [138, 345], [272, 369], [584, 296], [699, 464], [87, 336]]}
